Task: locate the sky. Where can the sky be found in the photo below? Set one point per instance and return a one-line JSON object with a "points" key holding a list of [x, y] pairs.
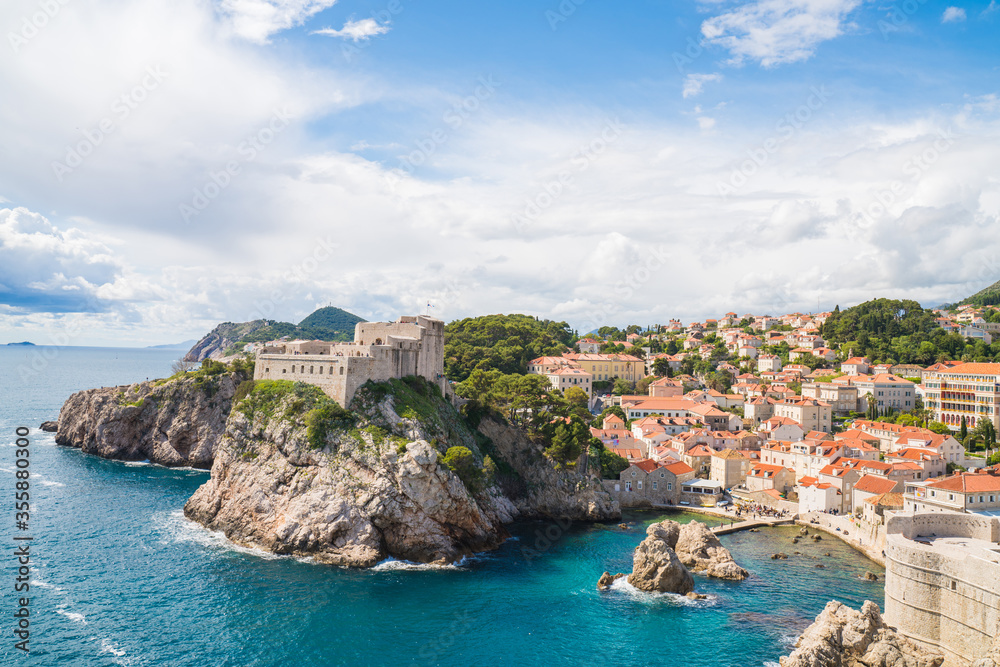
{"points": [[166, 165]]}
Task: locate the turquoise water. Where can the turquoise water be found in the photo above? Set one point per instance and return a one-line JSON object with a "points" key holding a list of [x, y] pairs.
{"points": [[121, 578]]}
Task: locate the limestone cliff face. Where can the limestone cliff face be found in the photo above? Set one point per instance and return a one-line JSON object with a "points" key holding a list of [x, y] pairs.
{"points": [[365, 491], [173, 423], [842, 637], [214, 344], [546, 491]]}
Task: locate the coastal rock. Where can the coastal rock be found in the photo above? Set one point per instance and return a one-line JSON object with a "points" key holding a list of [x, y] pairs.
{"points": [[842, 637], [541, 491], [696, 596], [216, 342], [870, 576], [804, 531], [175, 422], [779, 556], [700, 550], [49, 427], [655, 565], [358, 495], [604, 583], [817, 537]]}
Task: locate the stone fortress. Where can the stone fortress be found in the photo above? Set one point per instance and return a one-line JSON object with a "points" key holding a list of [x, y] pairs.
{"points": [[942, 585], [412, 345]]}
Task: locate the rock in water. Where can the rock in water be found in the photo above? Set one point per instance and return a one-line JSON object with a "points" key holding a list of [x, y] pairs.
{"points": [[842, 637], [700, 550], [604, 583], [49, 427], [871, 576], [655, 566]]}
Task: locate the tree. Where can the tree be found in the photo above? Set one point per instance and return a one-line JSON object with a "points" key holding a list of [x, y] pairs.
{"points": [[612, 464], [180, 366], [623, 387], [568, 442], [501, 342], [963, 430], [985, 430], [462, 462], [661, 367], [612, 410], [577, 402], [939, 427], [642, 386]]}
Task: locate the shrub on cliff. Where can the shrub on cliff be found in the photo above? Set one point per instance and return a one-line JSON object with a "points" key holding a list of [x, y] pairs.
{"points": [[463, 463], [324, 418]]}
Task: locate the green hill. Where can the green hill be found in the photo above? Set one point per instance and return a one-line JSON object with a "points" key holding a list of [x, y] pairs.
{"points": [[328, 323], [988, 296]]}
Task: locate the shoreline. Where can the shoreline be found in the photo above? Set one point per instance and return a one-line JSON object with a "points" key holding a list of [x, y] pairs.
{"points": [[872, 552]]}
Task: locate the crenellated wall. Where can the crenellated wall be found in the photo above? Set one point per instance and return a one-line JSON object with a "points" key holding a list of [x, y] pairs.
{"points": [[943, 581]]}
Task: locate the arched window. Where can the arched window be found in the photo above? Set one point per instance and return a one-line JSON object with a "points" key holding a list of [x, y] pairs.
{"points": [[311, 369], [378, 341], [341, 370]]}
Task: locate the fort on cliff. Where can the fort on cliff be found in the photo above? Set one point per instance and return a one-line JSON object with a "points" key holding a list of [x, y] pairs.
{"points": [[942, 585], [412, 345]]}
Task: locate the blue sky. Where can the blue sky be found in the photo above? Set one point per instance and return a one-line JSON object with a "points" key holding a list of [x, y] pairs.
{"points": [[589, 161]]}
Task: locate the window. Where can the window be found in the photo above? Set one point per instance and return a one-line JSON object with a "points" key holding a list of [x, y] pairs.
{"points": [[341, 370], [633, 473], [267, 370], [654, 485], [640, 485], [670, 486], [284, 370]]}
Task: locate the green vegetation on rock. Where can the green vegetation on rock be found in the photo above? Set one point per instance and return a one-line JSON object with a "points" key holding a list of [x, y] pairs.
{"points": [[462, 462]]}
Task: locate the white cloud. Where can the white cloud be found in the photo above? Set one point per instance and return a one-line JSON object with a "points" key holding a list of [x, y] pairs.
{"points": [[257, 20], [45, 269], [953, 15], [694, 83], [991, 9], [356, 30], [773, 32], [706, 123]]}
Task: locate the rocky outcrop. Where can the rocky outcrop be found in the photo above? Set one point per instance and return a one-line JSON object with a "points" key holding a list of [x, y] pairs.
{"points": [[49, 427], [604, 583], [544, 491], [171, 422], [216, 342], [655, 565], [842, 637], [362, 492], [700, 550]]}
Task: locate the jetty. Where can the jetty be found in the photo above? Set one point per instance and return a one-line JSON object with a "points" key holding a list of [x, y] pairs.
{"points": [[747, 524]]}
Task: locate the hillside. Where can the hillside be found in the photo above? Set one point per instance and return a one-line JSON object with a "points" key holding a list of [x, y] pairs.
{"points": [[500, 342], [988, 296], [328, 323], [899, 332]]}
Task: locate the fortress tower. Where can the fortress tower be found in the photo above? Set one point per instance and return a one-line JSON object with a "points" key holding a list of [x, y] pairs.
{"points": [[412, 345]]}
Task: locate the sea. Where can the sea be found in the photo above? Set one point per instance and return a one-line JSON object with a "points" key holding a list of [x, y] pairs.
{"points": [[118, 576]]}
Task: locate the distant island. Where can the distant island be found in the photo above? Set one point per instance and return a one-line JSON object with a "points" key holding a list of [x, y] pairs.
{"points": [[21, 343], [186, 345]]}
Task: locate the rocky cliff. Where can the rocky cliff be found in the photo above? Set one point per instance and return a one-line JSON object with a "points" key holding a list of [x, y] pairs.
{"points": [[700, 550], [215, 343], [401, 475], [176, 422], [542, 490], [842, 637]]}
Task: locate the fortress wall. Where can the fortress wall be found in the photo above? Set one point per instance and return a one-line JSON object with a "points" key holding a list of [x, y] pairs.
{"points": [[944, 598]]}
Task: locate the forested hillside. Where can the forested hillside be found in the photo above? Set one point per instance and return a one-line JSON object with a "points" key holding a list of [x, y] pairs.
{"points": [[501, 342]]}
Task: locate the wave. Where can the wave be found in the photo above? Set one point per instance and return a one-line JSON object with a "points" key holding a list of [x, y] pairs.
{"points": [[73, 616], [48, 482], [44, 584], [624, 587], [176, 529], [395, 565]]}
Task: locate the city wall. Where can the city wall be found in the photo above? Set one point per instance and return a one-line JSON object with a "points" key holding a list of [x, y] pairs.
{"points": [[946, 597]]}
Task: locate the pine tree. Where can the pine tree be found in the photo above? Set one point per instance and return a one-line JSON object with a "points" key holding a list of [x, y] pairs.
{"points": [[963, 431]]}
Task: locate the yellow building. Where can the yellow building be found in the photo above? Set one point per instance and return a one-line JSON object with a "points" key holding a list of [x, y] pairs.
{"points": [[968, 390], [606, 367]]}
